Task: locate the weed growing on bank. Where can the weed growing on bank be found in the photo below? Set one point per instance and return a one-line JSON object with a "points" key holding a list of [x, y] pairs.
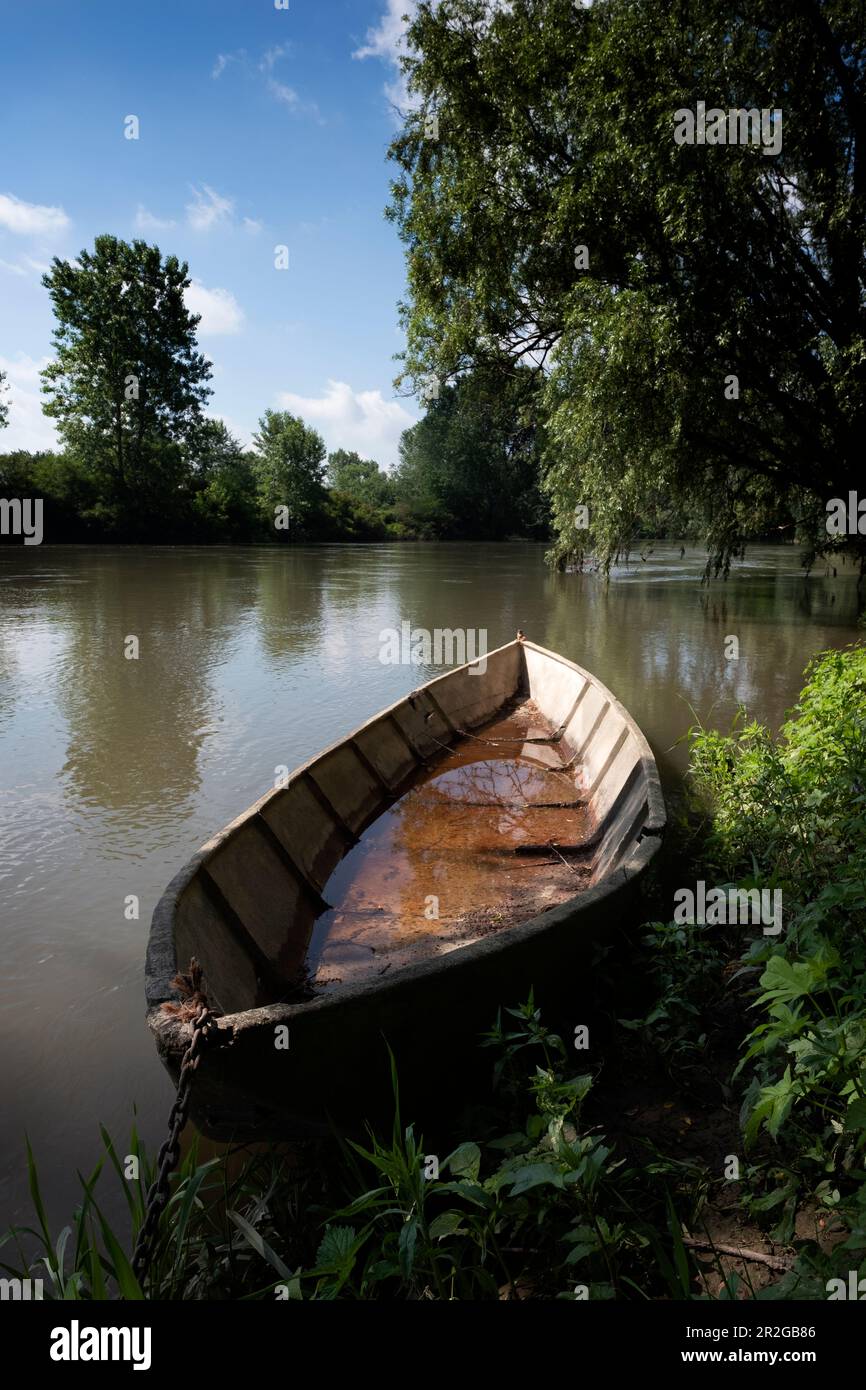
{"points": [[786, 814]]}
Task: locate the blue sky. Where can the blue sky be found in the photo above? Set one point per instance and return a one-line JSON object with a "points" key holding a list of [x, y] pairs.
{"points": [[258, 127]]}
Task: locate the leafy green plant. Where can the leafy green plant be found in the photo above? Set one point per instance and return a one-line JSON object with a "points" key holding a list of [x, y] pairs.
{"points": [[794, 811], [529, 1212]]}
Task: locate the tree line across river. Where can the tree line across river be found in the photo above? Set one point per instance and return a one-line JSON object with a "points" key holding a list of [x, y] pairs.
{"points": [[141, 460]]}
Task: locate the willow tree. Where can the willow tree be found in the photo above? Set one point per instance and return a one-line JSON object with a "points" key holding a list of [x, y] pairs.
{"points": [[695, 310], [127, 384]]}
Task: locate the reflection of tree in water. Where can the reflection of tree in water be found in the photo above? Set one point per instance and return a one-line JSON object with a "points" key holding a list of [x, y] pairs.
{"points": [[452, 836], [491, 780], [289, 600], [136, 727]]}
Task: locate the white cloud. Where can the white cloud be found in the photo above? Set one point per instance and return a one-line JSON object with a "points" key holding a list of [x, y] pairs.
{"points": [[263, 70], [280, 91], [220, 311], [287, 95], [146, 221], [271, 56], [348, 419], [387, 40], [31, 219], [223, 60], [28, 428], [23, 265], [208, 209]]}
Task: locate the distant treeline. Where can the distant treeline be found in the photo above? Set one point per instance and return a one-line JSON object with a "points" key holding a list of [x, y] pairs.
{"points": [[142, 461], [466, 471]]}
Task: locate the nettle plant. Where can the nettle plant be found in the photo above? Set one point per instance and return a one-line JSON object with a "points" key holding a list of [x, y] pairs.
{"points": [[791, 813]]}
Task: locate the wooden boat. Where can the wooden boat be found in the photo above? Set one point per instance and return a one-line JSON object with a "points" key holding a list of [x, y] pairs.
{"points": [[458, 849]]}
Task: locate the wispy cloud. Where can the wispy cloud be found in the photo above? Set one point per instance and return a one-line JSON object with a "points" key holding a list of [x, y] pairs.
{"points": [[387, 41], [25, 265], [220, 311], [208, 209], [31, 219], [287, 95], [349, 419], [272, 56], [222, 62], [264, 70], [146, 221], [387, 38]]}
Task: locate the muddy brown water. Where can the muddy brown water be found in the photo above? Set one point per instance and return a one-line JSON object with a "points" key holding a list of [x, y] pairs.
{"points": [[462, 853], [114, 771]]}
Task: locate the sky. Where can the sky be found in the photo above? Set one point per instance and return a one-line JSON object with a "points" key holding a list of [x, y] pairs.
{"points": [[258, 127]]}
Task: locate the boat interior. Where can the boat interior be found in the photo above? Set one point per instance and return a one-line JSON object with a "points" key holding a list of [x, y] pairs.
{"points": [[478, 801]]}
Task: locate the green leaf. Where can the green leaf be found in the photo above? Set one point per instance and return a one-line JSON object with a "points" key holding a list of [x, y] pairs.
{"points": [[855, 1115], [580, 1252], [773, 1107], [260, 1245], [535, 1175], [406, 1247], [36, 1196], [127, 1283], [465, 1161], [336, 1251]]}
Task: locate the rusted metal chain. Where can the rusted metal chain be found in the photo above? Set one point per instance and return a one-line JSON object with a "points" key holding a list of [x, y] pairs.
{"points": [[199, 1017]]}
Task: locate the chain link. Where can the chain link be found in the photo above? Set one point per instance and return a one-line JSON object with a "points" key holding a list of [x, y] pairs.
{"points": [[204, 1031]]}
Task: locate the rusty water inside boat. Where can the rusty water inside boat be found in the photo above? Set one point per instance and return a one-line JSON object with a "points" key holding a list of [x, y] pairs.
{"points": [[486, 837]]}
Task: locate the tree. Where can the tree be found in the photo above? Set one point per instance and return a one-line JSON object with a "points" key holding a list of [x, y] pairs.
{"points": [[127, 384], [4, 404], [361, 479], [224, 484], [696, 311], [58, 480], [470, 468], [289, 465]]}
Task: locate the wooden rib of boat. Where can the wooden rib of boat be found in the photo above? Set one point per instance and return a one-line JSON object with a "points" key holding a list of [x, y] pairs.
{"points": [[458, 849]]}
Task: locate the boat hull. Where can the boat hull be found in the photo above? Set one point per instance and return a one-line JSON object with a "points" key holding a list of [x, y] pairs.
{"points": [[302, 1067]]}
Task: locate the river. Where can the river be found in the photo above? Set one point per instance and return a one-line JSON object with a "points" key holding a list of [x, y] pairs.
{"points": [[114, 770]]}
